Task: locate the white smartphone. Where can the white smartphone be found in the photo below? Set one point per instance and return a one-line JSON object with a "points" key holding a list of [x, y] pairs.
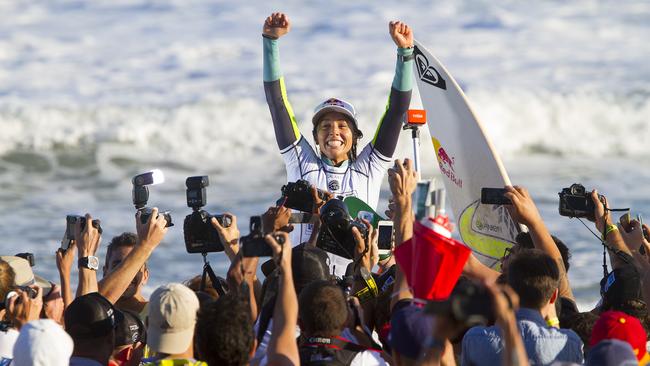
{"points": [[386, 238]]}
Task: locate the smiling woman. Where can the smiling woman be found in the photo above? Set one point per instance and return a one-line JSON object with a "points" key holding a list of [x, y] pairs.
{"points": [[337, 167]]}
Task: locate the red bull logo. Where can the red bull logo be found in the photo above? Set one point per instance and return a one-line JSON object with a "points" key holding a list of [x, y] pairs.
{"points": [[443, 158], [446, 163]]}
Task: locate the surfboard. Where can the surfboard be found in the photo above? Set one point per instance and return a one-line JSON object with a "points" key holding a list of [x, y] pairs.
{"points": [[359, 209], [466, 158]]}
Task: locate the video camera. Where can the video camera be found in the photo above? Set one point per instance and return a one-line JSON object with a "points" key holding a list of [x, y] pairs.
{"points": [[575, 201], [297, 196], [335, 234], [141, 195], [254, 244], [200, 235]]}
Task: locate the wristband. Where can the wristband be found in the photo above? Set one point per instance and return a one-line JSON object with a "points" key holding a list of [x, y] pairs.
{"points": [[405, 58], [609, 229], [269, 37], [553, 322]]}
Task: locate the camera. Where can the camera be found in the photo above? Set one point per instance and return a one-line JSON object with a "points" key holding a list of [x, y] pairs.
{"points": [[575, 201], [71, 220], [30, 292], [335, 234], [469, 304], [297, 195], [200, 235], [254, 244], [140, 195]]}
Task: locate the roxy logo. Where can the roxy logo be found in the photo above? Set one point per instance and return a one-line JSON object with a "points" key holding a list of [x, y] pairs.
{"points": [[428, 73]]}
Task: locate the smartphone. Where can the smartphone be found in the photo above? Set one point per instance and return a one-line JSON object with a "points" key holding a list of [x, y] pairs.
{"points": [[494, 196], [421, 197], [386, 238]]}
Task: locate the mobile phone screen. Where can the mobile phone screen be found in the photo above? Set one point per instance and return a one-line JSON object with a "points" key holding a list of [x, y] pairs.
{"points": [[385, 237]]}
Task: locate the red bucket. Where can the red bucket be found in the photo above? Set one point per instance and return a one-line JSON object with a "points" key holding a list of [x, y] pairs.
{"points": [[431, 262]]}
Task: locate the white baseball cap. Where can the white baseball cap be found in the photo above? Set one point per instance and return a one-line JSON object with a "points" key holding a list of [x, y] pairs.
{"points": [[42, 342], [24, 276], [172, 316], [334, 105]]}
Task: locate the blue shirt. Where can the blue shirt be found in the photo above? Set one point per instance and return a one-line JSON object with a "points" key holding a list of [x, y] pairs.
{"points": [[544, 345]]}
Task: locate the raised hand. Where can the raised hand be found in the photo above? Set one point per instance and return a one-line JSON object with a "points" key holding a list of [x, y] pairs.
{"points": [[87, 239], [401, 34], [229, 235], [281, 251], [402, 179], [151, 233], [276, 25], [523, 210], [22, 308]]}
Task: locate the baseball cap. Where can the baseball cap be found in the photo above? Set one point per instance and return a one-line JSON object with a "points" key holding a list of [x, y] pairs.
{"points": [[172, 316], [334, 105], [91, 316], [309, 264], [24, 276], [611, 352], [409, 328], [618, 325], [621, 285], [42, 342], [130, 330]]}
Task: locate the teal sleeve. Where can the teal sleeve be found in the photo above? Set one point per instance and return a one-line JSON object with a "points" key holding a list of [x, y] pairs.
{"points": [[403, 80], [271, 59]]}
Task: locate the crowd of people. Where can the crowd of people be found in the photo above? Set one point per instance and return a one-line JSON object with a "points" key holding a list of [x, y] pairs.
{"points": [[309, 309]]}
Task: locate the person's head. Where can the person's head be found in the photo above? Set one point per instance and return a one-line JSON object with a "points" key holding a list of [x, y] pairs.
{"points": [[323, 311], [409, 328], [117, 250], [91, 321], [308, 264], [582, 324], [43, 343], [535, 277], [6, 281], [194, 284], [224, 332], [335, 130], [172, 317], [611, 352], [621, 290], [23, 274], [524, 240], [130, 338], [618, 325]]}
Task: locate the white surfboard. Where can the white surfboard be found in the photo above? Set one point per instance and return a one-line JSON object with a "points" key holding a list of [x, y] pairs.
{"points": [[466, 159]]}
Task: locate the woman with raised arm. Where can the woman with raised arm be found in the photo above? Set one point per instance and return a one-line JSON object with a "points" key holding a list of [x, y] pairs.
{"points": [[338, 167]]}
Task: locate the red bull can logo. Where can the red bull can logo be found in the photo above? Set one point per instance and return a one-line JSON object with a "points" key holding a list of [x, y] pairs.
{"points": [[446, 164]]}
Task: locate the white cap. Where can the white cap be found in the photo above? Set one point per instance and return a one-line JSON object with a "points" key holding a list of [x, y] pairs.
{"points": [[334, 105], [172, 316], [24, 274], [42, 342]]}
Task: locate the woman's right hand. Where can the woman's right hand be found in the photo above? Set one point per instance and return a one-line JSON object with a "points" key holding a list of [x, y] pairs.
{"points": [[276, 25]]}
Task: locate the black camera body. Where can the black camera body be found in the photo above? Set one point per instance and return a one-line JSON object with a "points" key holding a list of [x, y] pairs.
{"points": [[145, 214], [297, 196], [335, 234], [71, 220], [470, 304], [254, 244], [200, 236], [575, 201]]}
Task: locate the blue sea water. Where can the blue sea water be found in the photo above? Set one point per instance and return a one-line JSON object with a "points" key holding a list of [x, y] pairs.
{"points": [[93, 92]]}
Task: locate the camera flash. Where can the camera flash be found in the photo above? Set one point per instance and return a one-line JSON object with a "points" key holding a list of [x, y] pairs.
{"points": [[157, 176]]}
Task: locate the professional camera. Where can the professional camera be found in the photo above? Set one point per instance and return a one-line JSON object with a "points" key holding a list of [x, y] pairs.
{"points": [[469, 304], [71, 220], [297, 195], [335, 234], [141, 195], [575, 201], [254, 244], [30, 292], [200, 235]]}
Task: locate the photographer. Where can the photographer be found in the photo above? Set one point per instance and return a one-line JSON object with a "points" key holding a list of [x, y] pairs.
{"points": [[150, 235], [639, 246], [87, 239]]}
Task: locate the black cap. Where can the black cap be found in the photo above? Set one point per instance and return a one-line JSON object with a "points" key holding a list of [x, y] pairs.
{"points": [[309, 264], [621, 285], [91, 316], [130, 330]]}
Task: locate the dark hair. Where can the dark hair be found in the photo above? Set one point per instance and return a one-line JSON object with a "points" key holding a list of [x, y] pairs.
{"points": [[224, 331], [582, 324], [125, 239], [524, 239], [323, 310], [534, 275]]}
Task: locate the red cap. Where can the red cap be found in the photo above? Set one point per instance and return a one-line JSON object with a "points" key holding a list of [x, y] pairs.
{"points": [[618, 325]]}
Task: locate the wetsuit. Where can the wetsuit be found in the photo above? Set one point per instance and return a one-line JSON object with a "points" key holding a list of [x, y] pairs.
{"points": [[361, 178]]}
